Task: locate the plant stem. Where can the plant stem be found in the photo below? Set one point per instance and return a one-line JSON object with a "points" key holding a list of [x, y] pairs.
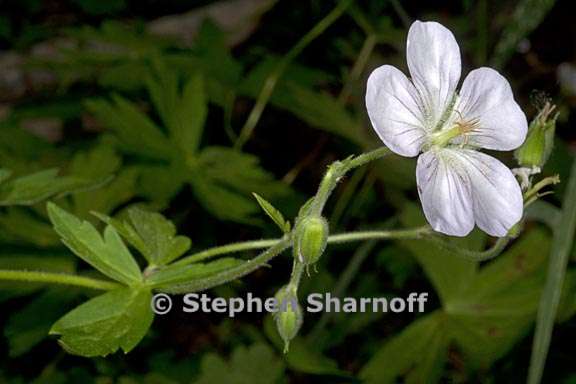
{"points": [[57, 278], [332, 239], [561, 247], [488, 254], [230, 274], [224, 249], [414, 233], [337, 170], [272, 80]]}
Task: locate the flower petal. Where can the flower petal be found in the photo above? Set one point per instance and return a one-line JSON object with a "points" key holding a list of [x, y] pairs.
{"points": [[434, 62], [496, 194], [445, 193], [487, 97], [397, 118]]}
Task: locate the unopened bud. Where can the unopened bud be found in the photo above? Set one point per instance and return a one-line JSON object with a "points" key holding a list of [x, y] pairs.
{"points": [[540, 140], [289, 315], [310, 239]]}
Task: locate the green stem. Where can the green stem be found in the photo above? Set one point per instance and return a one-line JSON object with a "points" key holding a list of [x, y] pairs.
{"points": [[224, 249], [332, 239], [57, 278], [414, 233], [230, 274], [336, 171], [272, 80], [488, 254], [550, 299]]}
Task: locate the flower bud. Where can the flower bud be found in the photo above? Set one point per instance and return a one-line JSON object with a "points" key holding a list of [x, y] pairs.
{"points": [[289, 316], [310, 239], [538, 144]]}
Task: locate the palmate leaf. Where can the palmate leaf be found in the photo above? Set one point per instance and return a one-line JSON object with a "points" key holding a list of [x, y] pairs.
{"points": [[484, 312], [118, 319], [151, 234], [135, 131], [184, 111], [223, 179], [419, 351], [107, 253]]}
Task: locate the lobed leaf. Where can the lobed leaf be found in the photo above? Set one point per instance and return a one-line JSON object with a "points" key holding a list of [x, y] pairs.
{"points": [[108, 254], [152, 235], [118, 319]]}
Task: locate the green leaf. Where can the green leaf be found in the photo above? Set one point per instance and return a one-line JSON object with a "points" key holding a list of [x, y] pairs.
{"points": [[107, 254], [273, 213], [418, 352], [135, 131], [98, 161], [4, 175], [118, 319], [152, 235], [223, 178], [39, 186], [18, 225], [172, 276], [449, 273], [183, 112], [257, 364]]}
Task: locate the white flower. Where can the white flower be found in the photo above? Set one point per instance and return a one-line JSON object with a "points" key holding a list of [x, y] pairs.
{"points": [[458, 185]]}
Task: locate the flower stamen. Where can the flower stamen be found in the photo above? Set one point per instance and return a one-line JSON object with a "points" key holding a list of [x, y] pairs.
{"points": [[460, 128]]}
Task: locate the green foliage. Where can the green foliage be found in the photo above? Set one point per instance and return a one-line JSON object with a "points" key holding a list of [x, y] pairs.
{"points": [[273, 213], [255, 364], [152, 235], [106, 253], [179, 276], [115, 320], [221, 177], [33, 188], [163, 152], [485, 311]]}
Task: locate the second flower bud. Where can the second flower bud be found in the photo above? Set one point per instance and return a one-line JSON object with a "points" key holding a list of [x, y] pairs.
{"points": [[310, 239]]}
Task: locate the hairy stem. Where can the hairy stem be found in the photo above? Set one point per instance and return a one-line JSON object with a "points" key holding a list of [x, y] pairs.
{"points": [[488, 254], [337, 170], [230, 274], [57, 278], [332, 239]]}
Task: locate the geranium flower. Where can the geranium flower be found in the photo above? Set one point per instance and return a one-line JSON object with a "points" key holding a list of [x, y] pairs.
{"points": [[426, 116]]}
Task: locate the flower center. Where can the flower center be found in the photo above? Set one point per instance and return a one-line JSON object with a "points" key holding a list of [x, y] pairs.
{"points": [[460, 128]]}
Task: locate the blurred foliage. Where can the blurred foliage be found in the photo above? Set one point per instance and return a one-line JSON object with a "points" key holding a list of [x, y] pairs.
{"points": [[130, 137]]}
